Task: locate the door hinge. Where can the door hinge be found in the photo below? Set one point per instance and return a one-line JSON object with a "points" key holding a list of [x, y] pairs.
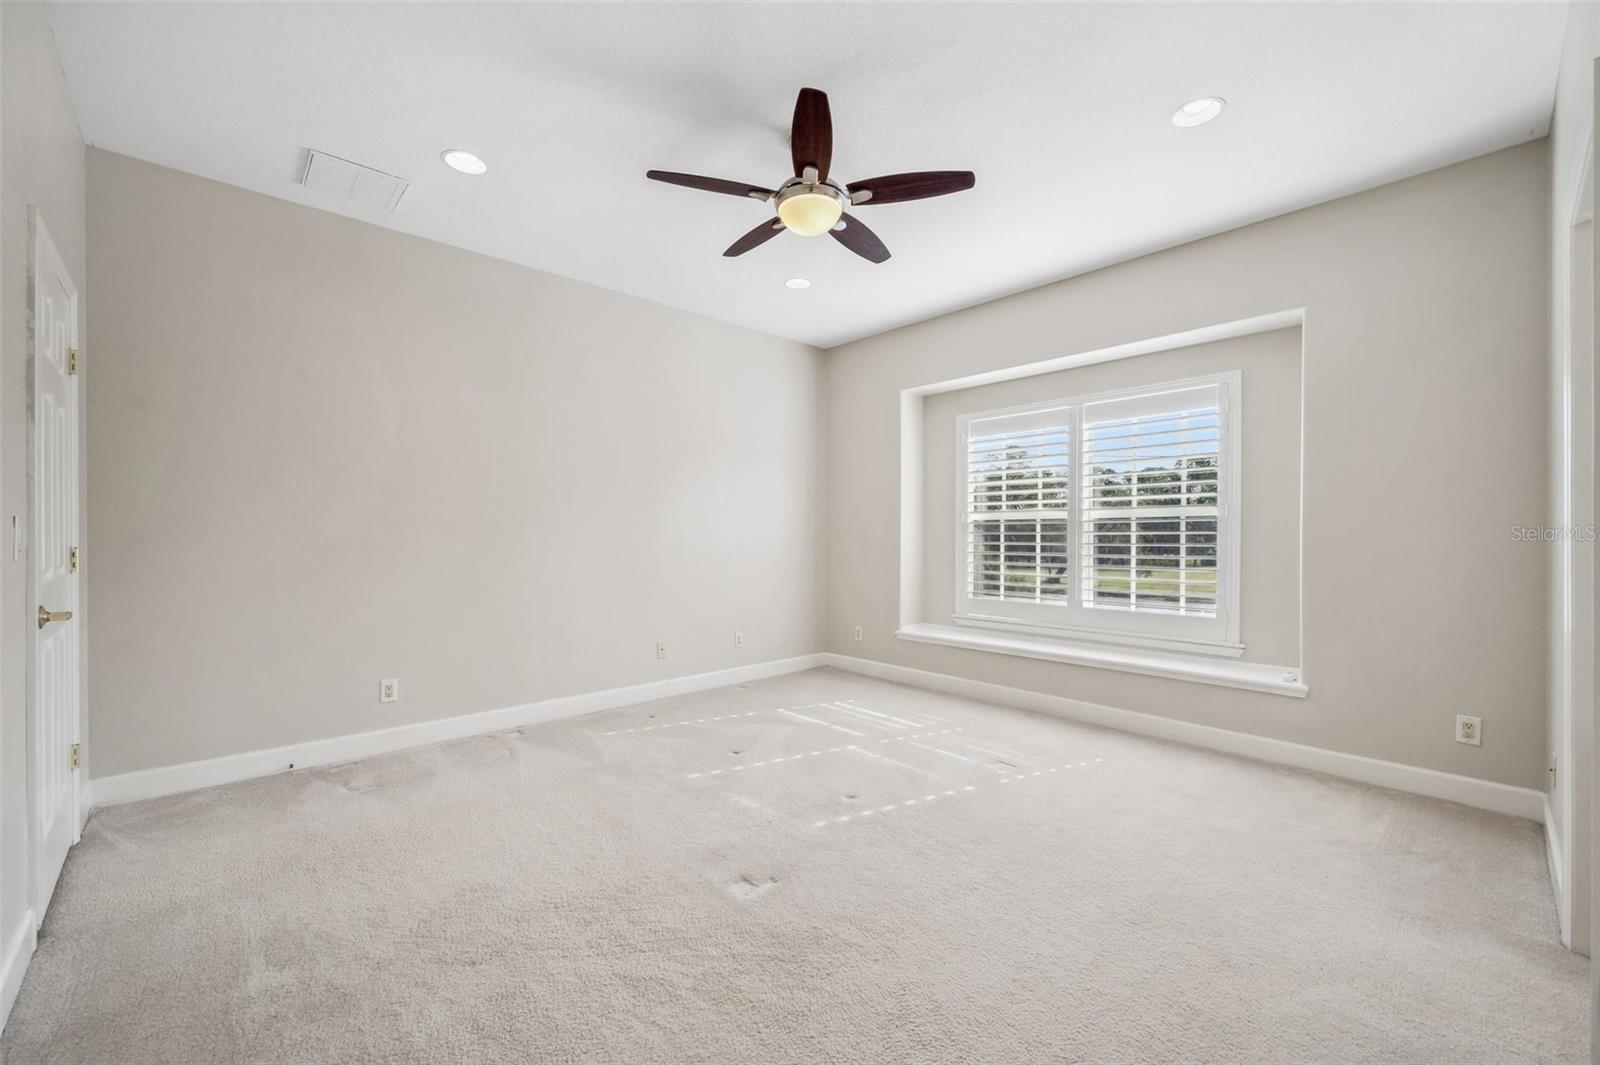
{"points": [[72, 559], [72, 360], [72, 757]]}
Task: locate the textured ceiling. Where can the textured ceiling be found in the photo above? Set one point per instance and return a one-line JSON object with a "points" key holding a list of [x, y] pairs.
{"points": [[1062, 110]]}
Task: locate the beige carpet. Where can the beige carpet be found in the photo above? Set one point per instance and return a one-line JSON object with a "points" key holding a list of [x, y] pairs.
{"points": [[818, 868]]}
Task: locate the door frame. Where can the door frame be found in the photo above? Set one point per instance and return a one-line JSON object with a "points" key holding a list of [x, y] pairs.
{"points": [[43, 252], [1590, 758], [1570, 796]]}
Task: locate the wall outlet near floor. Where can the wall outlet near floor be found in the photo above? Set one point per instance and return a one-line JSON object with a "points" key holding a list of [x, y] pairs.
{"points": [[738, 639], [858, 634], [661, 648], [1469, 730], [388, 691]]}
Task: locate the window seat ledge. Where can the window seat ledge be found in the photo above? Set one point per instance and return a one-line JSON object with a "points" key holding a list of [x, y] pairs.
{"points": [[1251, 676]]}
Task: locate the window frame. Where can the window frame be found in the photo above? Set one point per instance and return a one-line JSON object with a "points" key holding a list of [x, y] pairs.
{"points": [[1074, 620]]}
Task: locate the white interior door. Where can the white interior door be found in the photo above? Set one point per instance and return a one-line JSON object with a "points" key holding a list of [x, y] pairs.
{"points": [[54, 691]]}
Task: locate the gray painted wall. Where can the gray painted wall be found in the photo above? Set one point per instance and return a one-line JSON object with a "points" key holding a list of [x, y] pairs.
{"points": [[253, 584], [323, 453], [1425, 442]]}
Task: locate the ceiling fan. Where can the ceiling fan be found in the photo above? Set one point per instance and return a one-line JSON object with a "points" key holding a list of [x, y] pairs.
{"points": [[808, 203]]}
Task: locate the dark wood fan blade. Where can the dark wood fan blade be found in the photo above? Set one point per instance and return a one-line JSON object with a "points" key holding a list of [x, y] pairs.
{"points": [[811, 136], [897, 188], [861, 240], [710, 184], [755, 238]]}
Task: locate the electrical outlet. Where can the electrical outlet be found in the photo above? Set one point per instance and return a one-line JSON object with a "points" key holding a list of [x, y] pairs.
{"points": [[1469, 730], [738, 639], [858, 634], [388, 691], [661, 648]]}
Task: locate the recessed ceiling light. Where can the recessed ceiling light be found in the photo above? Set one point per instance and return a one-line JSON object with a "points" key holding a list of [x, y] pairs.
{"points": [[797, 282], [1197, 112], [464, 161]]}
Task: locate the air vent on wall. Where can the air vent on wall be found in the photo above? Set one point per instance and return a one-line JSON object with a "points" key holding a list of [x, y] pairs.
{"points": [[352, 181]]}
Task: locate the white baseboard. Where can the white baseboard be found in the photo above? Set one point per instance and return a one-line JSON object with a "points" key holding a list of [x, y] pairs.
{"points": [[19, 949], [1469, 791], [189, 776], [1556, 856]]}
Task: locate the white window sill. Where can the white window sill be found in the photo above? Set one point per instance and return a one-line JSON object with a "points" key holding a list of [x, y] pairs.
{"points": [[1152, 641], [1252, 676]]}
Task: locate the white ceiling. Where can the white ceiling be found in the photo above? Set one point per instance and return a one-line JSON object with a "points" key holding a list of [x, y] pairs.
{"points": [[1062, 110]]}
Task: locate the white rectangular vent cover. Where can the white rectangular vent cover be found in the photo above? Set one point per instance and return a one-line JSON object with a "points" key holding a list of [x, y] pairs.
{"points": [[352, 181]]}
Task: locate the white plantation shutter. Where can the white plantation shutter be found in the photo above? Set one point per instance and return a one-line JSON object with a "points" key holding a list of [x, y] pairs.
{"points": [[1150, 502], [1018, 489], [1105, 515]]}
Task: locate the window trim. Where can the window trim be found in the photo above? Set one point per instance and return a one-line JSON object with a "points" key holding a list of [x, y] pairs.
{"points": [[1194, 635]]}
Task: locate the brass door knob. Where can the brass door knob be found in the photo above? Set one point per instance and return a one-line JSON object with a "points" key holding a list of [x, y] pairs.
{"points": [[47, 616]]}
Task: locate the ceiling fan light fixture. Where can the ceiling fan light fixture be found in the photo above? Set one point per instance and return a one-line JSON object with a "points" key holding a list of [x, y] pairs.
{"points": [[809, 213], [810, 203], [1198, 112]]}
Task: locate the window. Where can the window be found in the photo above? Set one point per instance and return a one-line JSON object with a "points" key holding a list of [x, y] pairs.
{"points": [[1111, 516]]}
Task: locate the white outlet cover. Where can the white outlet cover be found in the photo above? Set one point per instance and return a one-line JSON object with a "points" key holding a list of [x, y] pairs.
{"points": [[388, 691], [1469, 730]]}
